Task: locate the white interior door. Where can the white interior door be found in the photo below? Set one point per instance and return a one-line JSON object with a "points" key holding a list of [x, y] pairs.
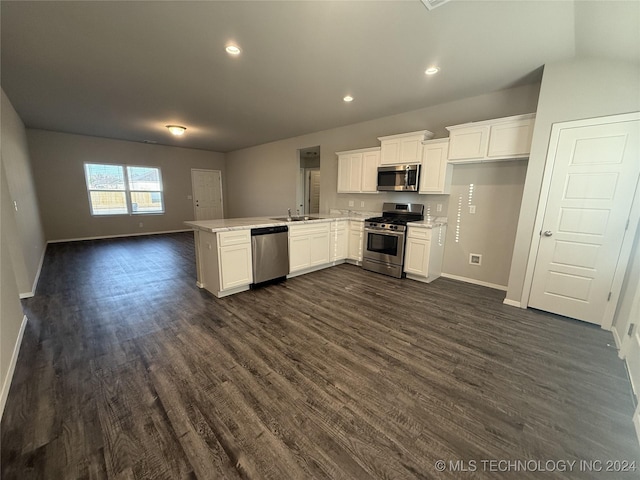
{"points": [[314, 191], [207, 194], [595, 173]]}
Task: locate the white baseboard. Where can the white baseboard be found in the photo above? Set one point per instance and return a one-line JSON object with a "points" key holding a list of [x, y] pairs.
{"points": [[104, 237], [37, 277], [6, 385], [618, 341], [475, 282], [512, 303]]}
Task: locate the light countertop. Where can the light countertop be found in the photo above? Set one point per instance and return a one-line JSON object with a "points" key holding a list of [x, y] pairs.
{"points": [[246, 223], [227, 224], [429, 222]]}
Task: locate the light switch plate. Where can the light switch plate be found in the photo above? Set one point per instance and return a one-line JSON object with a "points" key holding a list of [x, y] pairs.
{"points": [[351, 203], [472, 209]]}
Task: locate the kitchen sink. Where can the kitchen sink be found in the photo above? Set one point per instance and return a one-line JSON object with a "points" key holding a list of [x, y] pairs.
{"points": [[295, 219]]}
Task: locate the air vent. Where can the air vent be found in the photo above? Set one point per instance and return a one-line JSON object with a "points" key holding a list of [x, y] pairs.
{"points": [[431, 4]]}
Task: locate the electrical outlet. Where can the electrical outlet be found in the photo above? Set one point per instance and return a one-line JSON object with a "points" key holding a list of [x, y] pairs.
{"points": [[351, 203], [141, 224], [472, 209], [475, 259], [439, 207], [362, 204]]}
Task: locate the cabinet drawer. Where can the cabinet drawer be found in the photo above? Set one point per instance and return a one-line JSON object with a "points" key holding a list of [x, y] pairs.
{"points": [[339, 225], [309, 229], [422, 233], [234, 237]]}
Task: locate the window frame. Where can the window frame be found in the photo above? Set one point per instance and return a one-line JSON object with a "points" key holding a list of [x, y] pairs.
{"points": [[127, 190]]}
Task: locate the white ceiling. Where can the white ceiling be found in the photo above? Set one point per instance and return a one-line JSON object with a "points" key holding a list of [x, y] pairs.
{"points": [[126, 69]]}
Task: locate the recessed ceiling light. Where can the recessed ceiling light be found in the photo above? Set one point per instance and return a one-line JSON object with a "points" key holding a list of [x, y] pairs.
{"points": [[233, 50], [177, 130], [348, 98], [432, 70]]}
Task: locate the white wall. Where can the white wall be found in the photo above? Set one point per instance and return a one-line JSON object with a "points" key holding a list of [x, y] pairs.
{"points": [[623, 317], [26, 240], [573, 90], [10, 309], [58, 162], [22, 243], [262, 180]]}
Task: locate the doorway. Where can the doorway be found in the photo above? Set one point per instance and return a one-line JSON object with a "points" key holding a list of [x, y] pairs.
{"points": [[585, 219], [309, 180], [206, 186]]}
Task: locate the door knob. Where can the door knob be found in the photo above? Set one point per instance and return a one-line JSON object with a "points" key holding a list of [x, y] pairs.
{"points": [[547, 233]]}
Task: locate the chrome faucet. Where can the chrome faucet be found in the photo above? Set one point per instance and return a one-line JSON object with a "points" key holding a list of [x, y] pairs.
{"points": [[288, 214]]}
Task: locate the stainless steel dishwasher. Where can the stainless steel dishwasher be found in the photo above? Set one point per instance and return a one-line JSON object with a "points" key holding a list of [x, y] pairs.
{"points": [[270, 252]]}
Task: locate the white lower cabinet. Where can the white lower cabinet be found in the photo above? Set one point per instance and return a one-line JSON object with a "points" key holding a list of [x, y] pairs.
{"points": [[235, 266], [339, 242], [424, 252], [224, 261], [356, 233], [308, 246]]}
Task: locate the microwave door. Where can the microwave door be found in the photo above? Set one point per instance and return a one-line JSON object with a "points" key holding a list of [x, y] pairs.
{"points": [[387, 181]]}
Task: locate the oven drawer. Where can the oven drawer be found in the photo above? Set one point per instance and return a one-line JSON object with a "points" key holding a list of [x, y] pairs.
{"points": [[417, 232]]}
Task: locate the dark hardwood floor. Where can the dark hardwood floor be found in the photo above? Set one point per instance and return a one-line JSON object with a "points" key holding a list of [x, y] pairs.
{"points": [[128, 370]]}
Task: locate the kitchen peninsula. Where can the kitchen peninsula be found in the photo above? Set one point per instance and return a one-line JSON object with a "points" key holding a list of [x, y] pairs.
{"points": [[224, 256]]}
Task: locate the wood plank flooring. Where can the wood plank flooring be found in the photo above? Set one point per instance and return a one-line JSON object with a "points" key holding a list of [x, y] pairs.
{"points": [[129, 371]]}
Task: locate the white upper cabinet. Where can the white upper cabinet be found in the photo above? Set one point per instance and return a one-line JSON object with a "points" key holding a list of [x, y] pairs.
{"points": [[358, 170], [403, 148], [370, 164], [511, 139], [468, 142], [499, 139], [436, 172]]}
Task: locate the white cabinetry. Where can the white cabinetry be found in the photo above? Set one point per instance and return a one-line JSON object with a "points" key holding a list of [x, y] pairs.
{"points": [[436, 172], [339, 244], [224, 261], [499, 139], [403, 148], [423, 253], [356, 233], [308, 246], [358, 170]]}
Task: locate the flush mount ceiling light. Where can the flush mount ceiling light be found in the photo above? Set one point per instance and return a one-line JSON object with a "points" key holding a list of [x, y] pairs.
{"points": [[233, 50], [177, 130], [348, 98], [432, 70]]}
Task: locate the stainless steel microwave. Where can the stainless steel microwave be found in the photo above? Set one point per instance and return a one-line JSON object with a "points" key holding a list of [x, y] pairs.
{"points": [[399, 178]]}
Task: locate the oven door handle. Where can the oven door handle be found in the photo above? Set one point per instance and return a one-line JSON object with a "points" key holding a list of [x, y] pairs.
{"points": [[385, 232]]}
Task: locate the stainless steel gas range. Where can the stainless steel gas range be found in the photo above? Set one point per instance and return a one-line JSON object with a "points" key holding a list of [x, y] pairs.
{"points": [[384, 237]]}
